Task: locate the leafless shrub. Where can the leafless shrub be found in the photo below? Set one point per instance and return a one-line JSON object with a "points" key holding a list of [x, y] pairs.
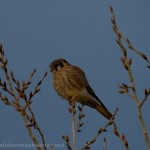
{"points": [[122, 138], [131, 89], [18, 91], [80, 124]]}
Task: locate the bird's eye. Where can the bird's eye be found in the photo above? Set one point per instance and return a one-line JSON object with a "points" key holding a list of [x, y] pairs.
{"points": [[59, 67]]}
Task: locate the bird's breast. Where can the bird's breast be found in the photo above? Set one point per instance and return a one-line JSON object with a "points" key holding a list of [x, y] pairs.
{"points": [[63, 85]]}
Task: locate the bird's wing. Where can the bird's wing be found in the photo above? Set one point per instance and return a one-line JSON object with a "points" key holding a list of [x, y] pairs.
{"points": [[75, 76], [90, 90], [78, 79]]}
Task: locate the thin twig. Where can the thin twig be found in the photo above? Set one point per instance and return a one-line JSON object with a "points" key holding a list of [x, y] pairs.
{"points": [[122, 138], [81, 115], [23, 115], [66, 139], [20, 89], [73, 112], [102, 129], [105, 144], [127, 65], [146, 94], [37, 127]]}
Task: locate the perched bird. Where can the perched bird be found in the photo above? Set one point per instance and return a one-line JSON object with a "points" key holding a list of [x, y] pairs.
{"points": [[71, 84]]}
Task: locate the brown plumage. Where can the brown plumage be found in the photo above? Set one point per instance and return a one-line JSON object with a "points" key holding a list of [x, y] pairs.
{"points": [[70, 82]]}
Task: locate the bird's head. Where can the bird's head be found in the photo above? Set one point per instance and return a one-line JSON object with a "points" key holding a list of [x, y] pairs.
{"points": [[58, 64]]}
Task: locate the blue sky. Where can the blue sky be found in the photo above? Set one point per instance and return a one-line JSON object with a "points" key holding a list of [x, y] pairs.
{"points": [[34, 33]]}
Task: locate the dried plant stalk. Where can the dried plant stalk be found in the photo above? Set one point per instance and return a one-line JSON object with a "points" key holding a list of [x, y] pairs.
{"points": [[81, 116], [105, 144], [102, 129], [122, 138], [73, 126], [20, 88], [131, 90], [66, 139], [73, 112]]}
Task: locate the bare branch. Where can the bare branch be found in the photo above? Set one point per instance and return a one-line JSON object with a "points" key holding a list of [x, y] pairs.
{"points": [[28, 117], [102, 129], [146, 94], [127, 65], [80, 123], [105, 144], [73, 112], [66, 139], [122, 138]]}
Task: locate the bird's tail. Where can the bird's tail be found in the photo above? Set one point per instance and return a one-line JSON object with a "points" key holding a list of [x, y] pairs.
{"points": [[104, 111]]}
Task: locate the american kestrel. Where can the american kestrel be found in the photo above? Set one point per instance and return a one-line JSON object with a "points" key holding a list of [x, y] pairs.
{"points": [[70, 83]]}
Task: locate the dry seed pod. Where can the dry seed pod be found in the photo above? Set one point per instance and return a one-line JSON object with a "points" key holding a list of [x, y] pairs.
{"points": [[123, 137], [116, 130], [67, 138], [100, 130], [81, 124], [105, 140], [79, 108], [144, 56], [126, 66], [111, 9], [130, 61], [126, 143], [122, 59], [148, 66], [128, 41], [63, 137], [130, 46], [93, 141], [146, 92]]}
